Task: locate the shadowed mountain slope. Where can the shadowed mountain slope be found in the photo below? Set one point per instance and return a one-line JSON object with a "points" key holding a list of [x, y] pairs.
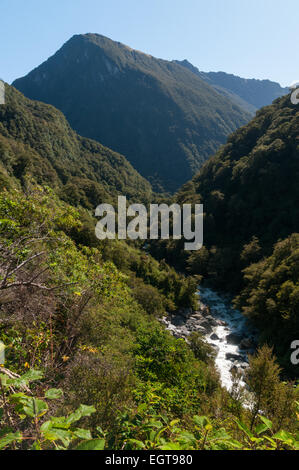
{"points": [[161, 116]]}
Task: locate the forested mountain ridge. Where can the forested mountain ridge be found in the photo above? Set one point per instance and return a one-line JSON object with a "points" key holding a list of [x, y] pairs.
{"points": [[162, 117], [37, 141], [255, 177], [249, 188], [250, 94]]}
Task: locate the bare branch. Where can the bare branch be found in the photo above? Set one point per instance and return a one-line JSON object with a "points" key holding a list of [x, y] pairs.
{"points": [[33, 284], [11, 273]]}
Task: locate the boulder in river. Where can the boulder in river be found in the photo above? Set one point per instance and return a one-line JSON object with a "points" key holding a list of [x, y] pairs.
{"points": [[179, 332], [197, 316], [234, 357], [211, 320], [201, 330], [214, 337], [234, 339], [206, 325], [178, 320]]}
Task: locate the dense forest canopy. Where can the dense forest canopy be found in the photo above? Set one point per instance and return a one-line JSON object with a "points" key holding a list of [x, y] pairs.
{"points": [[36, 140]]}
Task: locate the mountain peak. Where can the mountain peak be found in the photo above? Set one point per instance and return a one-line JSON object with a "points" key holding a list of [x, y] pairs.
{"points": [[104, 42], [166, 120]]}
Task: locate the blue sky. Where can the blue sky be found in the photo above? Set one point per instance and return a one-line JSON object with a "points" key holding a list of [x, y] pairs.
{"points": [[250, 38]]}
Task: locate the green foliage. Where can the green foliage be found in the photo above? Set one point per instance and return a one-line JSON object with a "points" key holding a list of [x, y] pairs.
{"points": [[68, 310], [170, 373], [77, 317], [144, 429], [262, 437], [268, 393], [201, 349], [148, 297], [271, 297], [148, 431], [155, 285], [29, 412]]}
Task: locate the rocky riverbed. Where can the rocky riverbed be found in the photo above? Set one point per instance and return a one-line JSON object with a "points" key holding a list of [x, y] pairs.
{"points": [[222, 326]]}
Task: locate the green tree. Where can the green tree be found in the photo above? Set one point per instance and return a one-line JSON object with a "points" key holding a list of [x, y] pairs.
{"points": [[268, 394]]}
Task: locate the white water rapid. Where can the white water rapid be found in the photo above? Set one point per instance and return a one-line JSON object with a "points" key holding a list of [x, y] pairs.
{"points": [[222, 326]]}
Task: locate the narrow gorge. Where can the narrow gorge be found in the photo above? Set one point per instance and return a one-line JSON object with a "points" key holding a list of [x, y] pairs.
{"points": [[223, 327]]}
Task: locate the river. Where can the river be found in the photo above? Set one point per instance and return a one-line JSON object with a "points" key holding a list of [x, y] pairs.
{"points": [[223, 327]]}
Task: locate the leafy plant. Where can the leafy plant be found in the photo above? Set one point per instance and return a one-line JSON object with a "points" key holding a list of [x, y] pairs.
{"points": [[56, 432]]}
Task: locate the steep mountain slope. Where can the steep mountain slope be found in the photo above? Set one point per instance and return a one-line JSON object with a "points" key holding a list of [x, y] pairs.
{"points": [[256, 173], [250, 94], [37, 141], [162, 117]]}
